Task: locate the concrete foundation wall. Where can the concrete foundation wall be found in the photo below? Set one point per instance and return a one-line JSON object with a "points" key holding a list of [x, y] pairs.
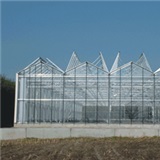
{"points": [[66, 131]]}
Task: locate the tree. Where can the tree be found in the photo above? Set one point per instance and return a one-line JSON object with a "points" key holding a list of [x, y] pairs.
{"points": [[132, 112], [7, 101]]}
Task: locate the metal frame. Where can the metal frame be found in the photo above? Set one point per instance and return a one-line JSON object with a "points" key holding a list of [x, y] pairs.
{"points": [[88, 93]]}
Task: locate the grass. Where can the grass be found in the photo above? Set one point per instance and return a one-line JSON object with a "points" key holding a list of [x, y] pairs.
{"points": [[115, 148]]}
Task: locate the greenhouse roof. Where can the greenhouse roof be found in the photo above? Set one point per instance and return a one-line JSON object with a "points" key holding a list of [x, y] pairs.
{"points": [[74, 62]]}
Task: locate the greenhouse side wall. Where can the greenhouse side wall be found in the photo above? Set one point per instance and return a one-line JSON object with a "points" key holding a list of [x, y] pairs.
{"points": [[87, 94]]}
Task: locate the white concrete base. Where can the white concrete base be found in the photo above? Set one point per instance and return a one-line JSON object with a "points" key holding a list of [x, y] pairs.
{"points": [[78, 130]]}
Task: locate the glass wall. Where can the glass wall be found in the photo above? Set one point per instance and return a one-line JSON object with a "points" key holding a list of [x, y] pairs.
{"points": [[87, 93]]}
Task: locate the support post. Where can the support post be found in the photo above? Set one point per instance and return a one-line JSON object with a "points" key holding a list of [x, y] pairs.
{"points": [[16, 100]]}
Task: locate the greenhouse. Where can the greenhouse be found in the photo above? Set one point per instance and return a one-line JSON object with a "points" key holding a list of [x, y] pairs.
{"points": [[88, 92]]}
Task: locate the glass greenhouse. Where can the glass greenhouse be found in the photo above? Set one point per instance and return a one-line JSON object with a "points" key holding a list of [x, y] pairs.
{"points": [[88, 92]]}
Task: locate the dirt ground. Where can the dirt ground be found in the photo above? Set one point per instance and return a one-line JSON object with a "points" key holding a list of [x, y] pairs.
{"points": [[115, 148]]}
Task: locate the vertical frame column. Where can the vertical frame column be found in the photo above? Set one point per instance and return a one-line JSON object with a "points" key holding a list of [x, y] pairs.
{"points": [[142, 114], [154, 94], [28, 115], [85, 117], [97, 99], [52, 98], [16, 99], [74, 112], [131, 91], [109, 107], [120, 107], [63, 98], [35, 79]]}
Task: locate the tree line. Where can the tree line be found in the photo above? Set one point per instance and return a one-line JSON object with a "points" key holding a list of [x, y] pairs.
{"points": [[7, 101]]}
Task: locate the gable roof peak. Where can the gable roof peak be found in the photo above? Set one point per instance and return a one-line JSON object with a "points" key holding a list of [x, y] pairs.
{"points": [[116, 62], [143, 62], [73, 62]]}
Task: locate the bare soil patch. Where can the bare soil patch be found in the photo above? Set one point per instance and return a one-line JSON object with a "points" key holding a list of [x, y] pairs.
{"points": [[115, 148]]}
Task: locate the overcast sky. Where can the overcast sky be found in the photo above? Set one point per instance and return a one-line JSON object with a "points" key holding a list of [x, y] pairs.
{"points": [[55, 29]]}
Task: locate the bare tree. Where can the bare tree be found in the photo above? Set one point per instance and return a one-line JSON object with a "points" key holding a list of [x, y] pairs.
{"points": [[131, 112]]}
